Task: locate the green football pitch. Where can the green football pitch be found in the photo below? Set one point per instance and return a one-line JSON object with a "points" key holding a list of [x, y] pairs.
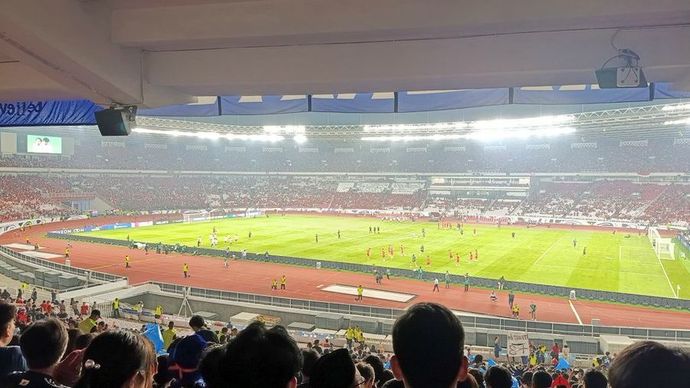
{"points": [[620, 262]]}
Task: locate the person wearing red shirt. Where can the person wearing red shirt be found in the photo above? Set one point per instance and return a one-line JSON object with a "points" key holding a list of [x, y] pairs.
{"points": [[555, 351], [22, 316], [84, 309], [560, 380]]}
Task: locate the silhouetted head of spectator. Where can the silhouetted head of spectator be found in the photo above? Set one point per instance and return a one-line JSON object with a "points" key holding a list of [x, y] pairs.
{"points": [[43, 343], [309, 358], [478, 359], [367, 372], [8, 313], [594, 379], [477, 375], [428, 341], [117, 359], [335, 370], [197, 323], [72, 335], [526, 379], [650, 364], [377, 364], [83, 341], [498, 377], [386, 376], [469, 382], [541, 379], [256, 358]]}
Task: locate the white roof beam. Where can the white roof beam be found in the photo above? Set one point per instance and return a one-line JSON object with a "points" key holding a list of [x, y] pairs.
{"points": [[69, 42]]}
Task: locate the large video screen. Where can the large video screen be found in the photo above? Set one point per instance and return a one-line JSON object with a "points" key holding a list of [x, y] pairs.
{"points": [[43, 144]]}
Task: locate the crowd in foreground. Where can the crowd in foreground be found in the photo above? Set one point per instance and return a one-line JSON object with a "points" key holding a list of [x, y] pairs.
{"points": [[428, 347]]}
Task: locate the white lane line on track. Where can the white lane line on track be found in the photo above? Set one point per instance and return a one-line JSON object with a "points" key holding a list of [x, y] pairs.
{"points": [[577, 316]]}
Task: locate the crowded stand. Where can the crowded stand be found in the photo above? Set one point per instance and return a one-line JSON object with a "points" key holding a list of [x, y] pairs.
{"points": [[26, 196], [53, 345]]}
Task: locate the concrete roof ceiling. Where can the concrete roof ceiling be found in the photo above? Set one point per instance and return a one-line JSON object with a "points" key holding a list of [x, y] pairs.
{"points": [[159, 52]]}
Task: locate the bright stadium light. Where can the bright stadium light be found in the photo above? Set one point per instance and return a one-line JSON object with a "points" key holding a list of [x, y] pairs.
{"points": [[284, 129], [501, 134], [393, 128], [541, 121], [300, 139], [678, 122], [677, 107], [406, 138], [212, 135], [266, 138]]}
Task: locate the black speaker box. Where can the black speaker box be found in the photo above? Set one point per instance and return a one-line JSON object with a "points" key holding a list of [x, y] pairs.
{"points": [[116, 122]]}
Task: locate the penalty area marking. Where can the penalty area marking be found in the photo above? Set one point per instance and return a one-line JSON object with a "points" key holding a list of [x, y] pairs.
{"points": [[577, 316], [673, 291]]}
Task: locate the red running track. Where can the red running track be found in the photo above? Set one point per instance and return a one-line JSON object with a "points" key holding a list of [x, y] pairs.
{"points": [[306, 283]]}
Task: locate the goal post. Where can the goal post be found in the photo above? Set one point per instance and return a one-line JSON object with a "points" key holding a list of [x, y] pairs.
{"points": [[664, 248], [196, 216], [202, 215]]}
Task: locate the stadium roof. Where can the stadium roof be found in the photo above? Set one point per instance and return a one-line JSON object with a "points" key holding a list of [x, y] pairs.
{"points": [[155, 53]]}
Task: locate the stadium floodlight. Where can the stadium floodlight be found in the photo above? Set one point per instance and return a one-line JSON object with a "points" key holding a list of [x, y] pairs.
{"points": [[266, 138], [208, 135], [519, 133], [300, 138], [393, 128], [406, 138], [678, 122], [676, 107], [285, 129], [541, 121]]}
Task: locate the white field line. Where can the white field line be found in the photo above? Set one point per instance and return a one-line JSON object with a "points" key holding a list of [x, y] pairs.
{"points": [[577, 316], [673, 291], [547, 251]]}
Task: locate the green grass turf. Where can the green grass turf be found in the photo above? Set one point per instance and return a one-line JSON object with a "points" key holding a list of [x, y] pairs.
{"points": [[536, 255]]}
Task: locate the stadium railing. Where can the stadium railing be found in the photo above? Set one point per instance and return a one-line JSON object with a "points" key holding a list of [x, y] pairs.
{"points": [[582, 293], [478, 323], [93, 275]]}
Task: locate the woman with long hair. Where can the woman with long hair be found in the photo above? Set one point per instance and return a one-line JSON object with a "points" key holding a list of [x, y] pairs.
{"points": [[118, 359]]}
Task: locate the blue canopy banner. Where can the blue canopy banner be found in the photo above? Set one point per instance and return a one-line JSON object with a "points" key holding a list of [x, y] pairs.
{"points": [[666, 90], [32, 113], [263, 105], [354, 103], [81, 112], [207, 106], [577, 94], [450, 99]]}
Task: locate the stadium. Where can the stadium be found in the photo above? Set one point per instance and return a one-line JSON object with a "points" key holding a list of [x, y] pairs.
{"points": [[149, 175]]}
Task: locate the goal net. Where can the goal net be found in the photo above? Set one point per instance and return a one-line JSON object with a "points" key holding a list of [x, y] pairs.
{"points": [[201, 215], [663, 247]]}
